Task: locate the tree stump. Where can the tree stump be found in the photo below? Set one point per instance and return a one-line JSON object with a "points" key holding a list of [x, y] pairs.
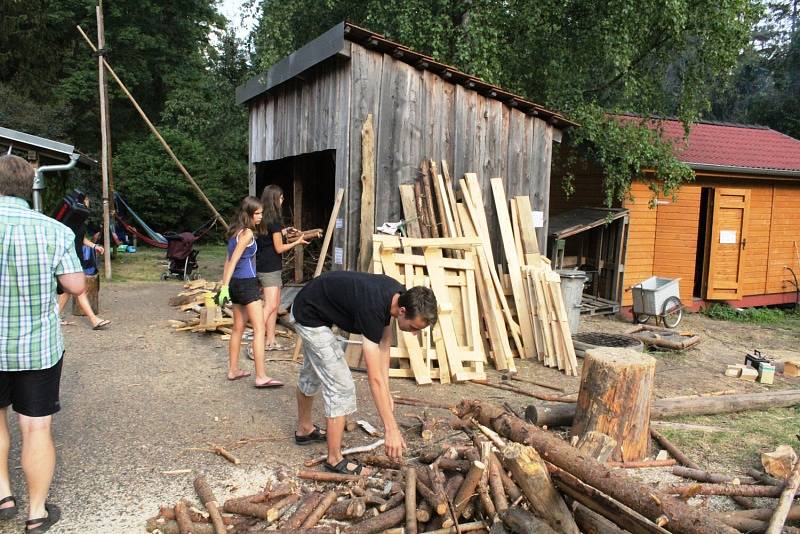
{"points": [[614, 399], [92, 292]]}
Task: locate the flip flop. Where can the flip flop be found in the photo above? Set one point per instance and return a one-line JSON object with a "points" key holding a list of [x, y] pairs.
{"points": [[11, 511], [341, 467], [53, 515], [315, 436], [276, 347], [241, 374], [271, 383], [101, 325]]}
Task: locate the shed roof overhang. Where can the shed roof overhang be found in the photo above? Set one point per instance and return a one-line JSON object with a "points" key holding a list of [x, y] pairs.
{"points": [[579, 220], [335, 42], [54, 150]]}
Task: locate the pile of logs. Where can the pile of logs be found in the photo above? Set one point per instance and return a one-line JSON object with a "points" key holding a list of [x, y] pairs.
{"points": [[197, 298]]}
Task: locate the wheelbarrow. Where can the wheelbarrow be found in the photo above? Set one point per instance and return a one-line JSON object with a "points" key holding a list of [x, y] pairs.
{"points": [[657, 297]]}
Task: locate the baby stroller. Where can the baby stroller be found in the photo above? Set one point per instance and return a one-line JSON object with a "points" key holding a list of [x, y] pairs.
{"points": [[182, 256]]}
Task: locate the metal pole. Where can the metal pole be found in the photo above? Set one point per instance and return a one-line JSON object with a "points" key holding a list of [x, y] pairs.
{"points": [[104, 135]]}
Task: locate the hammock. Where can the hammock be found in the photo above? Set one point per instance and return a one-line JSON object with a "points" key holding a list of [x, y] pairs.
{"points": [[152, 235]]}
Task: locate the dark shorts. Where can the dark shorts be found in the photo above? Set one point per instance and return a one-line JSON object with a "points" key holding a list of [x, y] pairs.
{"points": [[244, 290], [32, 393]]}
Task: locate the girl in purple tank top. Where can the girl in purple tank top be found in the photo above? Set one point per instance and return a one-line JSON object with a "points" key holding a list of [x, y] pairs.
{"points": [[240, 283]]}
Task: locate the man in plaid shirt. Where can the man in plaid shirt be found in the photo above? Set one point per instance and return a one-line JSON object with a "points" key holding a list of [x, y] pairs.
{"points": [[35, 250]]}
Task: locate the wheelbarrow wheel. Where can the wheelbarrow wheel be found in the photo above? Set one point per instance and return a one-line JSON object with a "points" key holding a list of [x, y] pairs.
{"points": [[640, 318], [672, 312]]}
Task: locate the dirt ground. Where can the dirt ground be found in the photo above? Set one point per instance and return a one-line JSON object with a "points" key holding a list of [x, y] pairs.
{"points": [[141, 401]]}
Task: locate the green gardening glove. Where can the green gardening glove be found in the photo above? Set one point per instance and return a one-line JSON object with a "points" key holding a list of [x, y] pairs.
{"points": [[222, 296]]}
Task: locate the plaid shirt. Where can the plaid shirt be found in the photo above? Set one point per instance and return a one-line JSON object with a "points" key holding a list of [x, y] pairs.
{"points": [[34, 249]]}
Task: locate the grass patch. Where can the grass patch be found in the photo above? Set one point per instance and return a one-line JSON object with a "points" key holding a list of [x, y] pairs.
{"points": [[724, 312], [744, 437], [147, 263]]}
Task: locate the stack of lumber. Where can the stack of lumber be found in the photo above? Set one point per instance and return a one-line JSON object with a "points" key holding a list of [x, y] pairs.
{"points": [[449, 248], [197, 299]]}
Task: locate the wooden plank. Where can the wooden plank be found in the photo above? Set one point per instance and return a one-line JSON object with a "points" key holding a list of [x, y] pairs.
{"points": [[530, 243], [427, 188], [520, 300], [570, 362], [451, 198], [442, 203], [410, 210], [367, 223]]}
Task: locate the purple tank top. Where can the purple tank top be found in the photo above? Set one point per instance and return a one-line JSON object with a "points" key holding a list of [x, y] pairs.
{"points": [[246, 266]]}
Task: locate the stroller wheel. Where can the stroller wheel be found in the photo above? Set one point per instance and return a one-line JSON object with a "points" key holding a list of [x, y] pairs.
{"points": [[195, 276], [164, 276]]}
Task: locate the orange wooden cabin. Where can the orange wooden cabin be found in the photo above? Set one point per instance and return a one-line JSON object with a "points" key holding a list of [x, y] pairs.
{"points": [[731, 235]]}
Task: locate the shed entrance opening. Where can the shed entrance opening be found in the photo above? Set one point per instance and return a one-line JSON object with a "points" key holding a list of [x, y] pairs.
{"points": [[308, 194]]}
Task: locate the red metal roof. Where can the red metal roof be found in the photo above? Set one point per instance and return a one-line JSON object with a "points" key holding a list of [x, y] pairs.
{"points": [[729, 145]]}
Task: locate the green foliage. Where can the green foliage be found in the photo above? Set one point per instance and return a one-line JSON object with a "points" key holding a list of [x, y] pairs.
{"points": [[724, 312], [584, 58], [156, 190]]}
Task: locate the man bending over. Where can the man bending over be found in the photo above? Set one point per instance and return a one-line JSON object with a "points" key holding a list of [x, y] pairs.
{"points": [[359, 303]]}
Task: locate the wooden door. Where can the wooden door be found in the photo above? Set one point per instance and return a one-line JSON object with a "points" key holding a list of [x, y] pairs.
{"points": [[728, 243]]}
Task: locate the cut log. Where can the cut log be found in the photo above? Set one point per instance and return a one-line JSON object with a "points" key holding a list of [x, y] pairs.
{"points": [[704, 476], [185, 525], [467, 489], [464, 527], [644, 463], [393, 501], [277, 510], [314, 517], [411, 500], [785, 501], [521, 521], [321, 476], [597, 445], [721, 489], [170, 526], [614, 399], [764, 478], [603, 504], [762, 514], [530, 473], [593, 523], [487, 504], [552, 415], [438, 502], [347, 509], [616, 483], [308, 504], [496, 485], [674, 451], [210, 502], [379, 523]]}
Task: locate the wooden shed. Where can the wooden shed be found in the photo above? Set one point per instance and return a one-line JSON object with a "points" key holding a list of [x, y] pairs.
{"points": [[307, 111], [733, 234]]}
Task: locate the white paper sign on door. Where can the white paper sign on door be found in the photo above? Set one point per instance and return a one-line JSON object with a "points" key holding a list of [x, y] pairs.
{"points": [[338, 255], [538, 219], [727, 237]]}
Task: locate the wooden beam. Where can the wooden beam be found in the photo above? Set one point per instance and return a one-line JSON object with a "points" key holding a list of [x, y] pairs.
{"points": [[367, 195]]}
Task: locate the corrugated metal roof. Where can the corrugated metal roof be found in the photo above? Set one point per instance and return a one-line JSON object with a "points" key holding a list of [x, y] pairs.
{"points": [[54, 149]]}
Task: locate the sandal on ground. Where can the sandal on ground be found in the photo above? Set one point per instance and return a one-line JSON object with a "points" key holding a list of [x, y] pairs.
{"points": [[343, 467], [101, 325], [315, 436], [11, 511], [276, 347], [44, 523], [271, 383]]}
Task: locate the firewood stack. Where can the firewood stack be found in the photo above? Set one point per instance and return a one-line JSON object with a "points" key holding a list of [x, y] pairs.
{"points": [[197, 299]]}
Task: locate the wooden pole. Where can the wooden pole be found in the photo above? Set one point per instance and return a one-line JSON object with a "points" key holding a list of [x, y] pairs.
{"points": [[785, 501], [367, 195], [105, 158], [155, 132], [323, 253]]}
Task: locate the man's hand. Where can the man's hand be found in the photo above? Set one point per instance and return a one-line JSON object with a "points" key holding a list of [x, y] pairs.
{"points": [[223, 296], [395, 444], [99, 249]]}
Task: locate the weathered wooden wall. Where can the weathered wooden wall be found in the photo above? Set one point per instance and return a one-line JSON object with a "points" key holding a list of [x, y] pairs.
{"points": [[417, 114]]}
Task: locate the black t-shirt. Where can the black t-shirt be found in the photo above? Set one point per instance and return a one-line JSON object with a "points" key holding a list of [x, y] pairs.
{"points": [[267, 260], [358, 303]]}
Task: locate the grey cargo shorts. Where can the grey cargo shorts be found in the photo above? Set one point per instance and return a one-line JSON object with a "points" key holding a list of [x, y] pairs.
{"points": [[324, 366]]}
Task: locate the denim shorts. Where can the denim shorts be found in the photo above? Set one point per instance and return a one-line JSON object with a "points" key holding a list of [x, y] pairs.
{"points": [[324, 367]]}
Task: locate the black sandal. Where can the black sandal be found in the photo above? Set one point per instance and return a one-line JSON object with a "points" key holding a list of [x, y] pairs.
{"points": [[53, 515], [315, 436], [10, 512], [341, 467]]}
